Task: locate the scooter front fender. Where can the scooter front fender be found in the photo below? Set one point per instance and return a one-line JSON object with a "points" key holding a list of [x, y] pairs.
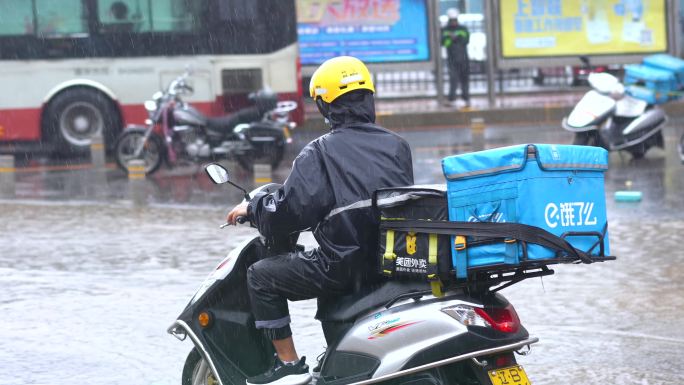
{"points": [[230, 337], [654, 118], [570, 128], [590, 112], [181, 330], [135, 127]]}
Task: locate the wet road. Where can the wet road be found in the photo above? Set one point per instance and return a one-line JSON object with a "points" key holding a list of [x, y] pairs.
{"points": [[89, 283]]}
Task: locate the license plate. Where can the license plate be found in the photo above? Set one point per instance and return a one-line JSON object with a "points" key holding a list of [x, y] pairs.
{"points": [[514, 375]]}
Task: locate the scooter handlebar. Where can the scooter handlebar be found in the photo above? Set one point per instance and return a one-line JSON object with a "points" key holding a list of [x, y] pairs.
{"points": [[240, 220]]}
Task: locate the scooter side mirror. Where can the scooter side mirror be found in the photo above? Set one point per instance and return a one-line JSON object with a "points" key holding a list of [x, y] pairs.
{"points": [[217, 173]]}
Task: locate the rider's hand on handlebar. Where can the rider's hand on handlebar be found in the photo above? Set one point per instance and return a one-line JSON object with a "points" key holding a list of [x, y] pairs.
{"points": [[238, 211]]}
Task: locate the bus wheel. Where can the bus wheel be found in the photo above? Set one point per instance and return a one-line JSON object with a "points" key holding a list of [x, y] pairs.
{"points": [[74, 116]]}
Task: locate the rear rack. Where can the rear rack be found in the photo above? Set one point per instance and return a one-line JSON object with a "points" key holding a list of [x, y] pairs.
{"points": [[486, 277]]}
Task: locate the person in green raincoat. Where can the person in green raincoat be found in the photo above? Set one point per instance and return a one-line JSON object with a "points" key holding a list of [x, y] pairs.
{"points": [[455, 38]]}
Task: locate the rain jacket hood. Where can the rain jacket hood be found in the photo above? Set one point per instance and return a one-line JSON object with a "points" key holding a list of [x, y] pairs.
{"points": [[352, 108]]}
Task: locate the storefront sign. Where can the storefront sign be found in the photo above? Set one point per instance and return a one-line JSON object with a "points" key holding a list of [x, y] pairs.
{"points": [[375, 31], [534, 28]]}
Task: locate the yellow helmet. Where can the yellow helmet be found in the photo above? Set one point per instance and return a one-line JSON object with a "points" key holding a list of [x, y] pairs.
{"points": [[339, 75]]}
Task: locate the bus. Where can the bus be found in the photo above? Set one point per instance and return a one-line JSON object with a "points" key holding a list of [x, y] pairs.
{"points": [[72, 69]]}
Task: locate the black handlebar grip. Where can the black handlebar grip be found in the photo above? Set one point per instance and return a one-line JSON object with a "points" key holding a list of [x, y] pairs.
{"points": [[241, 219]]}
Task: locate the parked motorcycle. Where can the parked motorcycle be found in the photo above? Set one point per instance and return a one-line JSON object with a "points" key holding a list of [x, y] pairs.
{"points": [[607, 117], [394, 330], [177, 132]]}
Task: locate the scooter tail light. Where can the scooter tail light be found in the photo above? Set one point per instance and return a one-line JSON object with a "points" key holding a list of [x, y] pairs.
{"points": [[502, 319], [466, 315]]}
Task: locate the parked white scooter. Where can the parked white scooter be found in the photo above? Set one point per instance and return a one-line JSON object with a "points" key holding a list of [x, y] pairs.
{"points": [[607, 117]]}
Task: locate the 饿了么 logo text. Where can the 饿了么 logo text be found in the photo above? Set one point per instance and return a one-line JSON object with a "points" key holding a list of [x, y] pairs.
{"points": [[568, 214]]}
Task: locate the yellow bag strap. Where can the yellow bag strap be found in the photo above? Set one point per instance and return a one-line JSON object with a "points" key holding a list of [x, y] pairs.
{"points": [[435, 283], [389, 255], [437, 288], [432, 253]]}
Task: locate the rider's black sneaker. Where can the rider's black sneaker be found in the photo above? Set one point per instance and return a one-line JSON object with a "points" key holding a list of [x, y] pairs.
{"points": [[316, 371], [282, 374]]}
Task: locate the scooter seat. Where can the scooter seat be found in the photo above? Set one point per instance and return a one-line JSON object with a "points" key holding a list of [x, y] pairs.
{"points": [[349, 307], [227, 123], [222, 123]]}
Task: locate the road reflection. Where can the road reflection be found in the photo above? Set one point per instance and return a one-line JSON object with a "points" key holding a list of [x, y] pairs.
{"points": [[90, 282]]}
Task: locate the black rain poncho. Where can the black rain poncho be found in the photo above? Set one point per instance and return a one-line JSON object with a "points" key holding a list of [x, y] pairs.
{"points": [[330, 187]]}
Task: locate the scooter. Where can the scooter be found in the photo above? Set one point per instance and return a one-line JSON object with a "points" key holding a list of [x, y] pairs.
{"points": [[607, 117], [394, 330], [176, 131]]}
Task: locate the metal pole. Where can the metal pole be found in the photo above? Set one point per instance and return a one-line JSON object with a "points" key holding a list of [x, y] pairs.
{"points": [[491, 51], [98, 174], [437, 50], [675, 30], [263, 173], [97, 152], [477, 128], [7, 171], [136, 182]]}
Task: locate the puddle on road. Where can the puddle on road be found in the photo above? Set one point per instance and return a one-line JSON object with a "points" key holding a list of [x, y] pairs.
{"points": [[89, 287]]}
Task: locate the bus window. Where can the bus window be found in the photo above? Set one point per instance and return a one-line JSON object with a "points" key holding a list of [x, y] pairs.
{"points": [[134, 15], [123, 16], [61, 18], [16, 17], [237, 84], [175, 15]]}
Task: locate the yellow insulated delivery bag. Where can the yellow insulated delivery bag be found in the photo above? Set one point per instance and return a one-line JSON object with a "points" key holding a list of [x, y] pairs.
{"points": [[413, 253]]}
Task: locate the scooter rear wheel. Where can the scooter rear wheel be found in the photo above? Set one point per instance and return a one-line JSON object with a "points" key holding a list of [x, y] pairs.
{"points": [[638, 152], [269, 154], [197, 371]]}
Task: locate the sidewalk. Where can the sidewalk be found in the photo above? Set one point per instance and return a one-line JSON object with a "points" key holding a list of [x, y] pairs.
{"points": [[510, 109], [519, 109]]}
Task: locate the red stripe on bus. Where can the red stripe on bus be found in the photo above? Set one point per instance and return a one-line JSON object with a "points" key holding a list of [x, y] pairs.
{"points": [[20, 124], [24, 123]]}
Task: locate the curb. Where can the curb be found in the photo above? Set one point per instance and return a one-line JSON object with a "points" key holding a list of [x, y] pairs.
{"points": [[533, 115]]}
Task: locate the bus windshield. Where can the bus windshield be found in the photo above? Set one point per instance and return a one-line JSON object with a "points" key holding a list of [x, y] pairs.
{"points": [[43, 29]]}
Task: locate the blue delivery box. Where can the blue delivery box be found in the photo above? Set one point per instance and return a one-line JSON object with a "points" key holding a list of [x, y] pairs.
{"points": [[559, 188], [667, 63]]}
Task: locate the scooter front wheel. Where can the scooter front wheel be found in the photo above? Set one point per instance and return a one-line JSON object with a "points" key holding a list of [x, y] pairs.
{"points": [[197, 371], [127, 146], [587, 138], [680, 148]]}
